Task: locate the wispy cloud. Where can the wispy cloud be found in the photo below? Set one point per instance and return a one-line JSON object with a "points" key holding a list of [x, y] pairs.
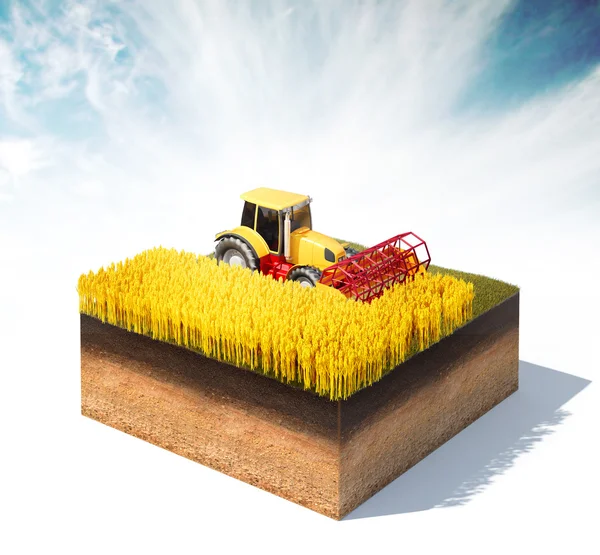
{"points": [[20, 157]]}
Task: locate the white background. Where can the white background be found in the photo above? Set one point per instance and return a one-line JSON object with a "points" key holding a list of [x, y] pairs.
{"points": [[512, 195]]}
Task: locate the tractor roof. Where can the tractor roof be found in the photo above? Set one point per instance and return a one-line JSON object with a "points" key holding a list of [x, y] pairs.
{"points": [[273, 198]]}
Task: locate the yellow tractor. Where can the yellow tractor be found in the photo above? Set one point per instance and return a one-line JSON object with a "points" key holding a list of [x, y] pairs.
{"points": [[276, 237]]}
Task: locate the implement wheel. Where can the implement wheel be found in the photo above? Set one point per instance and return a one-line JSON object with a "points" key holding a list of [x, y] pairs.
{"points": [[305, 276], [235, 252]]}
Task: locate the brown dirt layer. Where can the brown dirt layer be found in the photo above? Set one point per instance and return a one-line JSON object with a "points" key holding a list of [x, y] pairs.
{"points": [[388, 428], [327, 456], [250, 427]]}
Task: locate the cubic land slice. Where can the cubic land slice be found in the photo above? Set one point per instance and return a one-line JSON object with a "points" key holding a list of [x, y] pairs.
{"points": [[329, 456]]}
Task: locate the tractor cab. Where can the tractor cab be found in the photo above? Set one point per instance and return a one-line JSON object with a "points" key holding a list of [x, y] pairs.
{"points": [[266, 211]]}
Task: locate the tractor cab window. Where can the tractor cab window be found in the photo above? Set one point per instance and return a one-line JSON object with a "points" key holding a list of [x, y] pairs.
{"points": [[301, 218], [267, 226], [248, 214]]}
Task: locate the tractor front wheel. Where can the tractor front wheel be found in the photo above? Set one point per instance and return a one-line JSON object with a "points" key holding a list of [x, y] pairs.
{"points": [[305, 276], [235, 252]]}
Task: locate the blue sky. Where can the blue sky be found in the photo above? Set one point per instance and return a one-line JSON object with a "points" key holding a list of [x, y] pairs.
{"points": [[182, 103], [539, 45], [528, 48]]}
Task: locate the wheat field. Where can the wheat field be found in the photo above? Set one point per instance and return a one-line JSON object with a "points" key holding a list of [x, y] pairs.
{"points": [[314, 338]]}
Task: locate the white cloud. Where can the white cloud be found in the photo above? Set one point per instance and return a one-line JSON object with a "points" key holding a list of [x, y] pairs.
{"points": [[90, 188], [60, 66], [5, 186], [19, 158], [10, 74]]}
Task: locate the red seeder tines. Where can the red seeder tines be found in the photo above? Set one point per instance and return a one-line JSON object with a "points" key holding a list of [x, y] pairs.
{"points": [[366, 275]]}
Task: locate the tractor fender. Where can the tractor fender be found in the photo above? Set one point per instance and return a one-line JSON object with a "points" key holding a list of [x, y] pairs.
{"points": [[249, 236], [290, 269]]}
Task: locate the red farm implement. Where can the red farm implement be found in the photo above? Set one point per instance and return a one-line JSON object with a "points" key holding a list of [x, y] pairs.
{"points": [[366, 275]]}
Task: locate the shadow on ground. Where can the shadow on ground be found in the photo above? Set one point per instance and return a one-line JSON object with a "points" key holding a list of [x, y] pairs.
{"points": [[466, 464]]}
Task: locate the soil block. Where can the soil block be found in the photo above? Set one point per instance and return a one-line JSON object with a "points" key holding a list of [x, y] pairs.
{"points": [[329, 456]]}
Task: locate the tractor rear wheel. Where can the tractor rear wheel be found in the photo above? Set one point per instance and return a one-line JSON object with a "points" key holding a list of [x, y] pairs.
{"points": [[305, 276], [235, 252]]}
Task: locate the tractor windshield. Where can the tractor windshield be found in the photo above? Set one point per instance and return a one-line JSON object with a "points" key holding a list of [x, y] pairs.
{"points": [[301, 218]]}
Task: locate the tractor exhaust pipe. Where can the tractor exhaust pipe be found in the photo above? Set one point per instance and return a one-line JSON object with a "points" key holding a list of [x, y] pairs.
{"points": [[287, 226]]}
